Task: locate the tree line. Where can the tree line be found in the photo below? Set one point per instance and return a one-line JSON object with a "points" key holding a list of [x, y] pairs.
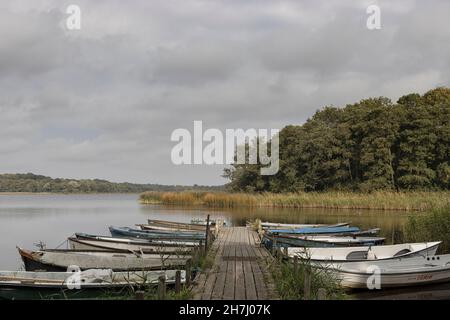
{"points": [[373, 144], [30, 182]]}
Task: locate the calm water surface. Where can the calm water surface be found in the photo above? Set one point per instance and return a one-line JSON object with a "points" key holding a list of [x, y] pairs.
{"points": [[28, 219]]}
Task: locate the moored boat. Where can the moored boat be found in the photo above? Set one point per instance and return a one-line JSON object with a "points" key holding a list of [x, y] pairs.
{"points": [[143, 242], [319, 241], [419, 270], [174, 224], [274, 225], [149, 234], [371, 253], [316, 230], [89, 279], [75, 243], [61, 260]]}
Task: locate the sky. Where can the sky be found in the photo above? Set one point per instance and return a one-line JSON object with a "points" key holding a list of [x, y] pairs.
{"points": [[102, 101]]}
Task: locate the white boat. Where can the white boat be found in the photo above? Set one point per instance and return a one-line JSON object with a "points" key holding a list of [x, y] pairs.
{"points": [[100, 245], [419, 270], [138, 242], [274, 225], [60, 260], [365, 253], [89, 279]]}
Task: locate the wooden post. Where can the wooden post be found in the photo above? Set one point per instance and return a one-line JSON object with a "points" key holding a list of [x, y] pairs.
{"points": [[285, 251], [274, 244], [307, 289], [162, 287], [139, 295], [322, 294], [295, 265], [207, 233], [188, 272], [178, 281]]}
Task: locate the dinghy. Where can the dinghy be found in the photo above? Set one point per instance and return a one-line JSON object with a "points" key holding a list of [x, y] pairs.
{"points": [[148, 234], [143, 242], [319, 241], [60, 260], [419, 270], [126, 246], [89, 279], [372, 253], [173, 224], [316, 230], [273, 225]]}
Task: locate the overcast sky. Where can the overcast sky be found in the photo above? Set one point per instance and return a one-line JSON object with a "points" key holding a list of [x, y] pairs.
{"points": [[102, 102]]}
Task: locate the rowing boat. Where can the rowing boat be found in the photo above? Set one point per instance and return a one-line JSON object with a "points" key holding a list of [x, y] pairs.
{"points": [[61, 259], [316, 230], [372, 253], [173, 224], [138, 242], [152, 235], [89, 279], [274, 225], [319, 241], [75, 243], [419, 270]]}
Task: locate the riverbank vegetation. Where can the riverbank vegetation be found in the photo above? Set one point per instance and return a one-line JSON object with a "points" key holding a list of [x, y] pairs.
{"points": [[32, 183], [367, 146], [430, 226], [378, 200], [290, 281]]}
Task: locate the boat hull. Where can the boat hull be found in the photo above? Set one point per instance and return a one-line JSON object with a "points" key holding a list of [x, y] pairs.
{"points": [[62, 260]]}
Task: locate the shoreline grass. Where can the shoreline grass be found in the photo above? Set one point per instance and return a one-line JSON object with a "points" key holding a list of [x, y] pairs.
{"points": [[382, 200]]}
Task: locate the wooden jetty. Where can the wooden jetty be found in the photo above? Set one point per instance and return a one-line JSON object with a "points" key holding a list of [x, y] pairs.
{"points": [[240, 268]]}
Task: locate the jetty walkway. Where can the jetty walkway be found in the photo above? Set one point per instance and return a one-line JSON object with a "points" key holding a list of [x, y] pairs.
{"points": [[240, 268]]}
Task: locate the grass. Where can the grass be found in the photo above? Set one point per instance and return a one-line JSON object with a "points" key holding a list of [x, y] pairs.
{"points": [[430, 226], [290, 281], [382, 200]]}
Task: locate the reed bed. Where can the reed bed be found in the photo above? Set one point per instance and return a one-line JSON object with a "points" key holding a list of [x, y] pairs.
{"points": [[382, 200], [430, 226]]}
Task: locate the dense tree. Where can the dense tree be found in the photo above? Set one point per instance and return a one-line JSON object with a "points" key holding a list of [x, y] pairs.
{"points": [[29, 182], [370, 145]]}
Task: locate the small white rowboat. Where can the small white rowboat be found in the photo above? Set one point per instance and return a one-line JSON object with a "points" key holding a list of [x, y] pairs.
{"points": [[365, 253]]}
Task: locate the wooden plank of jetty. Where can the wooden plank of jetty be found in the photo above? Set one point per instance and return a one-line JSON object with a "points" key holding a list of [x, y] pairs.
{"points": [[240, 270]]}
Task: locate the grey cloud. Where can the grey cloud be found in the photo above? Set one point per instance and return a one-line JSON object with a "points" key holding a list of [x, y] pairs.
{"points": [[103, 101]]}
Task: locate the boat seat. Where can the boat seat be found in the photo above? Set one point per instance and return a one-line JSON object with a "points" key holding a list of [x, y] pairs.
{"points": [[357, 255], [402, 252]]}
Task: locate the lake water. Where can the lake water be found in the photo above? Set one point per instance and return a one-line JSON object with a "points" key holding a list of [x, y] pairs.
{"points": [[28, 219]]}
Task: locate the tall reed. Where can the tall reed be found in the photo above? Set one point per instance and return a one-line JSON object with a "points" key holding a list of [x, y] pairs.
{"points": [[382, 200]]}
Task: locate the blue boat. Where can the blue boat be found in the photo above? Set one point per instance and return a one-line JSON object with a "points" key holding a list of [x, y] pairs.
{"points": [[126, 232], [316, 230], [269, 240]]}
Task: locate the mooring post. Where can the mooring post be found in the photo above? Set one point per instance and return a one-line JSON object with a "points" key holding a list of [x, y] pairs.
{"points": [[321, 294], [178, 281], [207, 233], [139, 295], [162, 287], [188, 272], [307, 289]]}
